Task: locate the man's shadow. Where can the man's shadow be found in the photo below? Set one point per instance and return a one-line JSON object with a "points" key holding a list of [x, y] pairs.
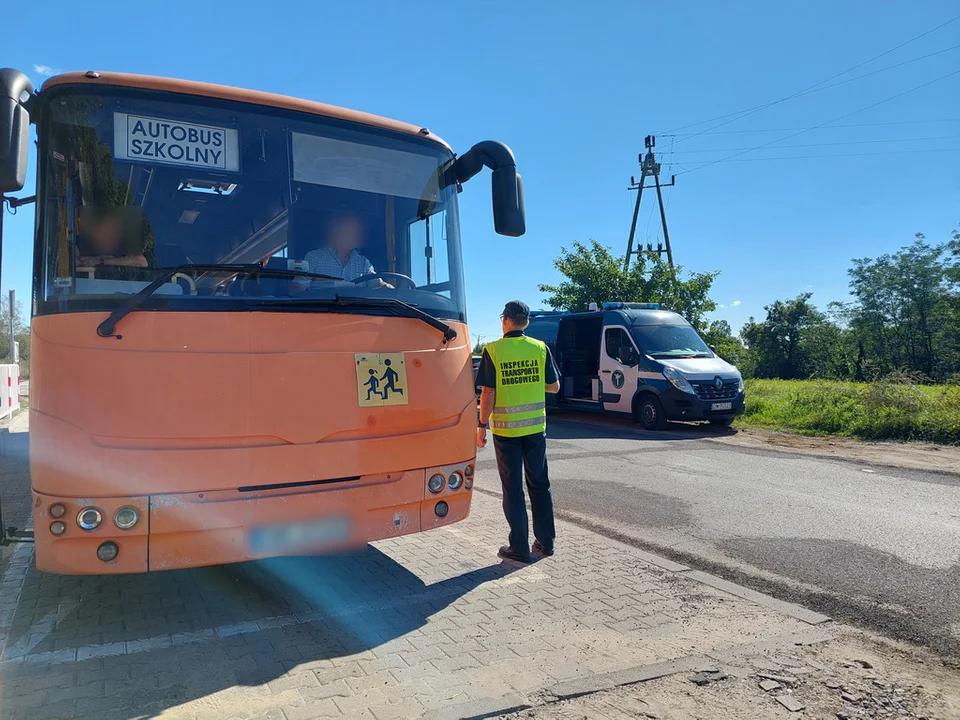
{"points": [[188, 634]]}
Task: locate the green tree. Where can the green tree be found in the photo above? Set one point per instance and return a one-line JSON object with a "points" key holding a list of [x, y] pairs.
{"points": [[729, 347], [594, 274], [21, 334], [907, 309], [777, 342]]}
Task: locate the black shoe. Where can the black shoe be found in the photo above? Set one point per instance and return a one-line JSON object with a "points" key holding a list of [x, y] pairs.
{"points": [[508, 553], [538, 548]]}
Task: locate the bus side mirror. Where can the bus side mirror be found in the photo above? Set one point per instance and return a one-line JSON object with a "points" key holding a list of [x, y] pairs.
{"points": [[15, 92], [509, 215]]}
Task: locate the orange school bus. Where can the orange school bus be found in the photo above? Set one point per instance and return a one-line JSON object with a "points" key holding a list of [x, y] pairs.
{"points": [[249, 330]]}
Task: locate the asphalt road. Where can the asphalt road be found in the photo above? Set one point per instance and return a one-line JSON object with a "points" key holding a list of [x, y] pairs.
{"points": [[874, 545]]}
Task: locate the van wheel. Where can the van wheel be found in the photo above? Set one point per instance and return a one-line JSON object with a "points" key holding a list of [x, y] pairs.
{"points": [[721, 422], [649, 413]]}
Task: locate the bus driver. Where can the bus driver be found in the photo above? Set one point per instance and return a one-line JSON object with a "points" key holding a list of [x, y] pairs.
{"points": [[340, 257]]}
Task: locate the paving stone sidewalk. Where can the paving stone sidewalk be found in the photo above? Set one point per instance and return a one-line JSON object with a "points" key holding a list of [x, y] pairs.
{"points": [[432, 625]]}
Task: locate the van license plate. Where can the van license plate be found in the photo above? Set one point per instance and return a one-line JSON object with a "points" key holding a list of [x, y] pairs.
{"points": [[716, 407], [298, 537]]}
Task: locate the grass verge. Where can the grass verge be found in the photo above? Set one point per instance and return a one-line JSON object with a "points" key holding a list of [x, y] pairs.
{"points": [[869, 411]]}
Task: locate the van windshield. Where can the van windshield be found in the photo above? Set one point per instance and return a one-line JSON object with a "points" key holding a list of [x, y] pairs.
{"points": [[670, 341]]}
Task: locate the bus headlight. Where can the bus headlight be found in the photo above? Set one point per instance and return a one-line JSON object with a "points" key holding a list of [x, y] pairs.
{"points": [[58, 528], [435, 483], [57, 510], [678, 380], [125, 518], [89, 518], [456, 480]]}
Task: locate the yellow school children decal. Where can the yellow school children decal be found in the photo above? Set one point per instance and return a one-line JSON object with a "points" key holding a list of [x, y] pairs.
{"points": [[381, 379]]}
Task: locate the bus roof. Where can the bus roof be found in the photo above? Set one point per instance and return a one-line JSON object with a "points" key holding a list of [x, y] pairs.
{"points": [[225, 92]]}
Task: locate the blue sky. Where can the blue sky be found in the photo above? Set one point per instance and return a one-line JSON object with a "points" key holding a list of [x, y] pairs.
{"points": [[573, 88]]}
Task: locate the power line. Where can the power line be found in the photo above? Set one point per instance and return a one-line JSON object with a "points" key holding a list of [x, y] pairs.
{"points": [[757, 108], [825, 144], [878, 70], [849, 125], [836, 119], [811, 157]]}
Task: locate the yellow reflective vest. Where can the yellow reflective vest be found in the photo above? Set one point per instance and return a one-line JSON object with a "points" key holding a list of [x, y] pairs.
{"points": [[520, 409]]}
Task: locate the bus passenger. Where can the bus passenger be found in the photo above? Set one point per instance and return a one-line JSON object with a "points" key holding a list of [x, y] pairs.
{"points": [[100, 240]]}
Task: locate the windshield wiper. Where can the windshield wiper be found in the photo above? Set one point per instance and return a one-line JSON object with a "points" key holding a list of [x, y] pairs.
{"points": [[397, 307], [679, 355], [107, 327]]}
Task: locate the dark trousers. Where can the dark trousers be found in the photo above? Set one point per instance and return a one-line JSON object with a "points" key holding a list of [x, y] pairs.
{"points": [[514, 455]]}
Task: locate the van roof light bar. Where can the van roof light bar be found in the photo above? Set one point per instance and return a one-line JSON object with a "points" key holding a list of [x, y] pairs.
{"points": [[630, 306]]}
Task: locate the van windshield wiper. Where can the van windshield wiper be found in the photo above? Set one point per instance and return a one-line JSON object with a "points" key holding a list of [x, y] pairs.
{"points": [[679, 355], [397, 307], [107, 327]]}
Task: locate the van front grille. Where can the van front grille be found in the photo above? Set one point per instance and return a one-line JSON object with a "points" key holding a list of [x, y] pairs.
{"points": [[707, 389]]}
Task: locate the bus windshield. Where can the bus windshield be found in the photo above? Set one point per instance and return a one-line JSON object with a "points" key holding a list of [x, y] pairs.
{"points": [[134, 183]]}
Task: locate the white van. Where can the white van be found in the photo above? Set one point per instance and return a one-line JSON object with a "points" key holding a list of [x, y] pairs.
{"points": [[638, 360]]}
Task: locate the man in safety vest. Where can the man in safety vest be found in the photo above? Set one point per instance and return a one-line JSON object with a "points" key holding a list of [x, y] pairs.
{"points": [[514, 373]]}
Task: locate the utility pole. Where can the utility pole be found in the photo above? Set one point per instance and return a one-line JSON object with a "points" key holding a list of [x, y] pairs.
{"points": [[649, 167], [13, 307]]}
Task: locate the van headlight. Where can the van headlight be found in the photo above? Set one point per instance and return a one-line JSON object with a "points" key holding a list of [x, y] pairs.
{"points": [[740, 388], [678, 380]]}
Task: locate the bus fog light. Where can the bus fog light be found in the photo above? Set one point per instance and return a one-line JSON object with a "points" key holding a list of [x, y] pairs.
{"points": [[468, 471], [435, 483], [57, 510], [108, 551], [441, 509], [58, 528], [455, 481], [126, 517], [468, 483], [89, 518]]}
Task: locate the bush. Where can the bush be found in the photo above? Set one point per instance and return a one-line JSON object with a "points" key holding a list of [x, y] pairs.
{"points": [[890, 409]]}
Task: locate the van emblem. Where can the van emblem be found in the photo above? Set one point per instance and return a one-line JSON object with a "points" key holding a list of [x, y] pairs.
{"points": [[617, 379], [718, 383]]}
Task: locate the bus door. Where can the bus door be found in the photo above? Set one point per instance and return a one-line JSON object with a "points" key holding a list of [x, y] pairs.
{"points": [[618, 369]]}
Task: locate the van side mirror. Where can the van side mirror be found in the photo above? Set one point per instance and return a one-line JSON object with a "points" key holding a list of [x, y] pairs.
{"points": [[15, 92], [509, 214], [714, 348], [627, 356]]}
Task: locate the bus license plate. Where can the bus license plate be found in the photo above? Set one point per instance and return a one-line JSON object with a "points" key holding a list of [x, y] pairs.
{"points": [[715, 407], [298, 537]]}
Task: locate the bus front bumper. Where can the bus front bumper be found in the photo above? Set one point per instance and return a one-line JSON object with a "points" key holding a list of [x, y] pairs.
{"points": [[224, 526]]}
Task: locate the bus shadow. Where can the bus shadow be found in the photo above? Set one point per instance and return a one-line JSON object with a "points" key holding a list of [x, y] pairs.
{"points": [[160, 640], [14, 478]]}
